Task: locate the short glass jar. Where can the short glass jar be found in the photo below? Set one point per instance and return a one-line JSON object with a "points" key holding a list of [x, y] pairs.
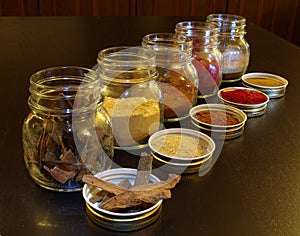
{"points": [[232, 44], [178, 77], [131, 95], [67, 132], [207, 57]]}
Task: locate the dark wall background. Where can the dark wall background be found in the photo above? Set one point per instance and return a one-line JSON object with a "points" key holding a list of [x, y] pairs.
{"points": [[281, 17]]}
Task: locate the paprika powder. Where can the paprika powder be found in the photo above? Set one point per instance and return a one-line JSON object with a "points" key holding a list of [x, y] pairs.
{"points": [[244, 96]]}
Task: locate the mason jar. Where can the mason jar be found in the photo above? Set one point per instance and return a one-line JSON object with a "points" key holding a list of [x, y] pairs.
{"points": [[207, 57], [232, 44], [177, 76], [132, 96], [67, 132]]}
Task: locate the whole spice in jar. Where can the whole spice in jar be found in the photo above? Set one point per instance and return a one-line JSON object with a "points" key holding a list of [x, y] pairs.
{"points": [[244, 96], [221, 118], [66, 133]]}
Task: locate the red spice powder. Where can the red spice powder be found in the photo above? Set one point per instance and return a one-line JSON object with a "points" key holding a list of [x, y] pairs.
{"points": [[243, 96]]}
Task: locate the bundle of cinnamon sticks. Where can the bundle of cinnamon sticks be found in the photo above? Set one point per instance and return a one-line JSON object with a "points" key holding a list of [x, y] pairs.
{"points": [[125, 196]]}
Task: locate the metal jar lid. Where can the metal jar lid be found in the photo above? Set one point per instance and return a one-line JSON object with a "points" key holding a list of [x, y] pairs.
{"points": [[251, 110], [219, 131], [120, 221], [272, 85], [174, 163]]}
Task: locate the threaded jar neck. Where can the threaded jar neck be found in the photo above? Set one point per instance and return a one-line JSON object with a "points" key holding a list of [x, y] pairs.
{"points": [[126, 65], [228, 24], [203, 34], [64, 90], [170, 40]]}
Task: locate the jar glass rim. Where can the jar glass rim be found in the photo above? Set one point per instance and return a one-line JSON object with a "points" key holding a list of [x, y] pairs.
{"points": [[86, 75], [226, 18], [55, 89], [126, 55]]}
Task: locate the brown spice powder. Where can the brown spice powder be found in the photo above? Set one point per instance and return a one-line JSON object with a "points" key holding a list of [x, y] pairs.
{"points": [[216, 118]]}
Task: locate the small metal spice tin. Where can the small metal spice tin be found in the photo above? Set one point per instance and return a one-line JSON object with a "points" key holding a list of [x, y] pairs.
{"points": [[218, 120], [120, 221], [251, 109], [272, 85], [180, 150]]}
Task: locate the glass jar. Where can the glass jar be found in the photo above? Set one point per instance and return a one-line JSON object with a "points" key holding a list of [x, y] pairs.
{"points": [[207, 57], [67, 132], [232, 44], [131, 95], [178, 78]]}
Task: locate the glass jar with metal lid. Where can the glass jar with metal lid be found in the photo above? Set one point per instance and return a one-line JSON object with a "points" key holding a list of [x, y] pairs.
{"points": [[232, 44], [67, 133], [178, 78], [207, 57], [131, 95]]}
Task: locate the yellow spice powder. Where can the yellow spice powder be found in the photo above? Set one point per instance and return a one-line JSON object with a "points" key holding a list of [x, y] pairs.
{"points": [[181, 146], [264, 82]]}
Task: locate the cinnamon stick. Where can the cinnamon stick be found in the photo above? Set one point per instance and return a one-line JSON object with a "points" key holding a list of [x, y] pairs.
{"points": [[136, 195], [63, 173], [100, 196], [167, 184], [104, 185], [144, 169], [131, 198]]}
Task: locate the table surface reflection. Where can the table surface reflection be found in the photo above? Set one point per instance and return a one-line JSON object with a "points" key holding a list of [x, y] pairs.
{"points": [[253, 187]]}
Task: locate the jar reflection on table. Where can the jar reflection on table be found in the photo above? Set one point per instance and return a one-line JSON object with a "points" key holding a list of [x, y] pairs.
{"points": [[232, 44], [207, 57], [131, 94], [178, 78], [67, 133]]}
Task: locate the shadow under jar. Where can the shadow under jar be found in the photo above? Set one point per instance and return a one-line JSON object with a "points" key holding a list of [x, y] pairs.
{"points": [[67, 133], [132, 97], [177, 76], [206, 55], [232, 44]]}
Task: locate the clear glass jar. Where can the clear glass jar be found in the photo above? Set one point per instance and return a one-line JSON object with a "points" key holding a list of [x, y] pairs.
{"points": [[178, 77], [232, 44], [67, 132], [207, 57], [131, 95]]}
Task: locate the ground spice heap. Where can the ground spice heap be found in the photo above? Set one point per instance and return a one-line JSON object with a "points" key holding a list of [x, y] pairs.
{"points": [[216, 118], [181, 146], [142, 117], [264, 82], [243, 96], [178, 92]]}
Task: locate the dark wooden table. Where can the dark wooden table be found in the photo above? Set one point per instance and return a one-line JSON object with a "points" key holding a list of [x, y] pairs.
{"points": [[253, 188]]}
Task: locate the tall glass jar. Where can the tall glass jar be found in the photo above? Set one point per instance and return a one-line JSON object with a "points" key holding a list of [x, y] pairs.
{"points": [[178, 78], [207, 57], [131, 94], [232, 44], [67, 132]]}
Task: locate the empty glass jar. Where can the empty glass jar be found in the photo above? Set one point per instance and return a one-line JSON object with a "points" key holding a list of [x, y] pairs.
{"points": [[232, 44], [67, 132], [177, 78], [131, 95]]}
